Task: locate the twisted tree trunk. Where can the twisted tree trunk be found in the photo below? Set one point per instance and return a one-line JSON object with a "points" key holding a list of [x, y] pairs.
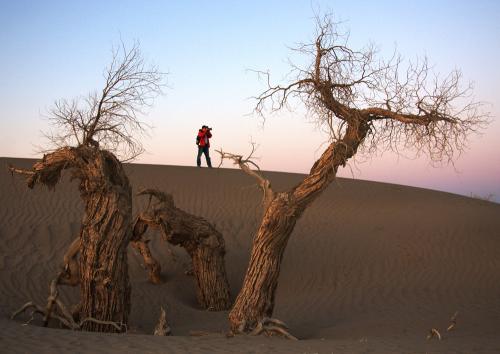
{"points": [[201, 240], [105, 286], [255, 301], [105, 233]]}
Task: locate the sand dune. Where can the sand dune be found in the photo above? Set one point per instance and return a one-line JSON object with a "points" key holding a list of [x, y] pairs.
{"points": [[371, 267]]}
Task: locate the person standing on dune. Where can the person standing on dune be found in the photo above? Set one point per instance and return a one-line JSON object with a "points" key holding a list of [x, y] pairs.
{"points": [[203, 142]]}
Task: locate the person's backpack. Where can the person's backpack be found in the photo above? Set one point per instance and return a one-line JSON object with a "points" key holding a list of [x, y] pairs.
{"points": [[197, 140]]}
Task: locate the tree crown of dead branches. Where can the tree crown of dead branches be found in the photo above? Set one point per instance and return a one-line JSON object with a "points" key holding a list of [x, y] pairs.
{"points": [[405, 104], [109, 119]]}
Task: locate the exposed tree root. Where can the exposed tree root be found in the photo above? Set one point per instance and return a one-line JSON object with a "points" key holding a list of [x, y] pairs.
{"points": [[272, 326], [120, 327], [29, 304], [55, 308], [41, 311], [267, 326], [63, 318]]}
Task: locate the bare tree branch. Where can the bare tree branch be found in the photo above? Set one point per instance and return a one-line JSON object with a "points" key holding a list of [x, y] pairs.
{"points": [[365, 103], [405, 104], [109, 118], [245, 165]]}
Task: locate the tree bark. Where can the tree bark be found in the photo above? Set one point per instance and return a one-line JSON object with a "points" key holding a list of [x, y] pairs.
{"points": [[105, 233], [151, 264], [256, 298], [105, 286], [201, 240], [212, 287]]}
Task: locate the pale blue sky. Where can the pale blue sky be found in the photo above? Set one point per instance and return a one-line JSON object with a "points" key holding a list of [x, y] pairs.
{"points": [[56, 49]]}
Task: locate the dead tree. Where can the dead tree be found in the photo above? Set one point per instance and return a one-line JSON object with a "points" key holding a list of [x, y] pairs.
{"points": [[365, 103], [201, 240], [89, 135]]}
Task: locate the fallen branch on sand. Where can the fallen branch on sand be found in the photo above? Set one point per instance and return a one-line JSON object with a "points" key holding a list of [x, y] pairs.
{"points": [[434, 333], [453, 322]]}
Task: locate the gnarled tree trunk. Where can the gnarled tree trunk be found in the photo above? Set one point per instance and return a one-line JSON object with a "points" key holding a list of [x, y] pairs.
{"points": [[256, 297], [105, 286], [105, 233], [351, 93], [201, 240], [255, 302]]}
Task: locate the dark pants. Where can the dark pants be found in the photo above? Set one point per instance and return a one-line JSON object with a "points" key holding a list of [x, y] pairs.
{"points": [[203, 150]]}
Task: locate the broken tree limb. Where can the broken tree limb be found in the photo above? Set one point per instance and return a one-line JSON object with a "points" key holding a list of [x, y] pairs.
{"points": [[71, 274], [453, 322], [151, 264], [162, 328], [245, 165], [434, 333]]}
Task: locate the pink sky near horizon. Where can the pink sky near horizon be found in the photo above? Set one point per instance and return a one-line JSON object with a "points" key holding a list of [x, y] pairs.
{"points": [[58, 49]]}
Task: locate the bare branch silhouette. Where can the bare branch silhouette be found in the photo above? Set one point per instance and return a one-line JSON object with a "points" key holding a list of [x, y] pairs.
{"points": [[367, 103], [246, 166], [89, 133], [404, 103], [109, 118]]}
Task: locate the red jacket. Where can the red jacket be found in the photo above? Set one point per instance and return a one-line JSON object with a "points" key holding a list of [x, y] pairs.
{"points": [[202, 134]]}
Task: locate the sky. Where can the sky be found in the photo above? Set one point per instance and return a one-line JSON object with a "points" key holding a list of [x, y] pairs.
{"points": [[59, 49]]}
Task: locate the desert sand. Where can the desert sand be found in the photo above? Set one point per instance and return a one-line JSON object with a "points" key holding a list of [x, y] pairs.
{"points": [[370, 267]]}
